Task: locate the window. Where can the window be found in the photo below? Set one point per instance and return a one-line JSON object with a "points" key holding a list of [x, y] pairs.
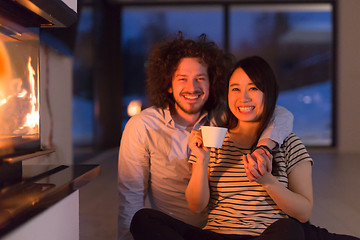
{"points": [[83, 99], [297, 42], [296, 39]]}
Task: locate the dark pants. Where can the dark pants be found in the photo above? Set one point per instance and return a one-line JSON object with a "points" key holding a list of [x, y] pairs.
{"points": [[151, 224], [316, 233]]}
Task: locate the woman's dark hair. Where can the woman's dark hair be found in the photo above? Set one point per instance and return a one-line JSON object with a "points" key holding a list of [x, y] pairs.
{"points": [[165, 58], [260, 72]]}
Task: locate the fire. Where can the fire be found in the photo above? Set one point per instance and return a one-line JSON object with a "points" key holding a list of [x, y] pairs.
{"points": [[19, 107], [5, 72], [32, 118]]}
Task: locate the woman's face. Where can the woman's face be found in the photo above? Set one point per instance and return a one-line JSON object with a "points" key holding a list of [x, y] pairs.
{"points": [[245, 99]]}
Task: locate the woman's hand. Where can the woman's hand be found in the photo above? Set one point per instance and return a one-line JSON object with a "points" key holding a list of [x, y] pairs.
{"points": [[197, 192], [197, 148], [257, 164]]}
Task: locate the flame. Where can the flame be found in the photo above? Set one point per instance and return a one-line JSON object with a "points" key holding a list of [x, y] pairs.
{"points": [[19, 114], [5, 72], [20, 94], [3, 101], [32, 118]]}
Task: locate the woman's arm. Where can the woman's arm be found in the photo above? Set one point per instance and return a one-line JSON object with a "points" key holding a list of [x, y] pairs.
{"points": [[197, 192], [297, 201]]}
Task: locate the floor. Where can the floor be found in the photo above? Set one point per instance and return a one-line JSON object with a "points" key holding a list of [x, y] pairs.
{"points": [[336, 195]]}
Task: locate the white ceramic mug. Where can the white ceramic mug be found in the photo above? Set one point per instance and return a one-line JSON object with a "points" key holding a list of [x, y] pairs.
{"points": [[213, 136]]}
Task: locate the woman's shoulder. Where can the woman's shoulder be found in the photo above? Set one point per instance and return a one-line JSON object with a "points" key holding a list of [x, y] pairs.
{"points": [[292, 140], [293, 150], [291, 145]]}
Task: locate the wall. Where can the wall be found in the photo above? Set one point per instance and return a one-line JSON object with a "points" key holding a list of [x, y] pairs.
{"points": [[59, 222], [56, 111], [348, 78], [72, 4], [56, 107]]}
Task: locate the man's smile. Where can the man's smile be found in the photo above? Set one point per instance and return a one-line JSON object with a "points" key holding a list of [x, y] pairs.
{"points": [[192, 96]]}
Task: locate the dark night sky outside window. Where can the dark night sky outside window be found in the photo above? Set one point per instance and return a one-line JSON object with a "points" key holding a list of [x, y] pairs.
{"points": [[297, 39]]}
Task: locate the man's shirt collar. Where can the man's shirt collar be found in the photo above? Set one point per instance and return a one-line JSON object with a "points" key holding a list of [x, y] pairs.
{"points": [[203, 119]]}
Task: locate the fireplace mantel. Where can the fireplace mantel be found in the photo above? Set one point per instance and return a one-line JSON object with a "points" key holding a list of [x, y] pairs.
{"points": [[39, 13], [38, 189]]}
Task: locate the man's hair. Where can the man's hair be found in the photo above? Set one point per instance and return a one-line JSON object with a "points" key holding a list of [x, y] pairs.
{"points": [[260, 72], [164, 60]]}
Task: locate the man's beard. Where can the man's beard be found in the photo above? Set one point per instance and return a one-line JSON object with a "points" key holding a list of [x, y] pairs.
{"points": [[191, 110]]}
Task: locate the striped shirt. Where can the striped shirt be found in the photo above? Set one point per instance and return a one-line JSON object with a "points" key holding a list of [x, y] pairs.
{"points": [[238, 206]]}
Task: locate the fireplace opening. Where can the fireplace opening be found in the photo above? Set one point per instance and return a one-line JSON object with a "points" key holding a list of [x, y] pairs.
{"points": [[19, 90]]}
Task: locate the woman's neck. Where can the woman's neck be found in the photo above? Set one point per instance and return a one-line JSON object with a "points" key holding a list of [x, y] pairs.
{"points": [[245, 133]]}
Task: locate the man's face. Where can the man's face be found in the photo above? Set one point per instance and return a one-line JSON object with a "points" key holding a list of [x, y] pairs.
{"points": [[190, 86]]}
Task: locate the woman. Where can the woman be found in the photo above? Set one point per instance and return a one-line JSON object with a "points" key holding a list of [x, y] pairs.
{"points": [[239, 206]]}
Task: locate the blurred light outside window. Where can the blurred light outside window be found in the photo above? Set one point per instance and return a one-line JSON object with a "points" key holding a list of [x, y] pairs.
{"points": [[134, 108]]}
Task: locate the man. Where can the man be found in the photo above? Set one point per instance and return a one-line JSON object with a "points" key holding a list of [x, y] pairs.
{"points": [[186, 83]]}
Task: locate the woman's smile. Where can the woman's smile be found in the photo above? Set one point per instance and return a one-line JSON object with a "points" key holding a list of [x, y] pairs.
{"points": [[246, 109]]}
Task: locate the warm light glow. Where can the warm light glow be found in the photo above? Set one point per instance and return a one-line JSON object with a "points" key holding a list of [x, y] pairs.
{"points": [[22, 94], [19, 107], [3, 101], [134, 107], [6, 146], [32, 118], [5, 72]]}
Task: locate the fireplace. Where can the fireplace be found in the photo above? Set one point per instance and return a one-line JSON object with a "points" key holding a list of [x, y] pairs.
{"points": [[20, 108], [37, 183], [19, 90]]}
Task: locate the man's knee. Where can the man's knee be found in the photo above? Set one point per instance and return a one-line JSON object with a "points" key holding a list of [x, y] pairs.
{"points": [[139, 217]]}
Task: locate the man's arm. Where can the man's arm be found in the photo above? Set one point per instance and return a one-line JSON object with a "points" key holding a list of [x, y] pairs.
{"points": [[133, 175], [259, 161], [278, 129]]}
